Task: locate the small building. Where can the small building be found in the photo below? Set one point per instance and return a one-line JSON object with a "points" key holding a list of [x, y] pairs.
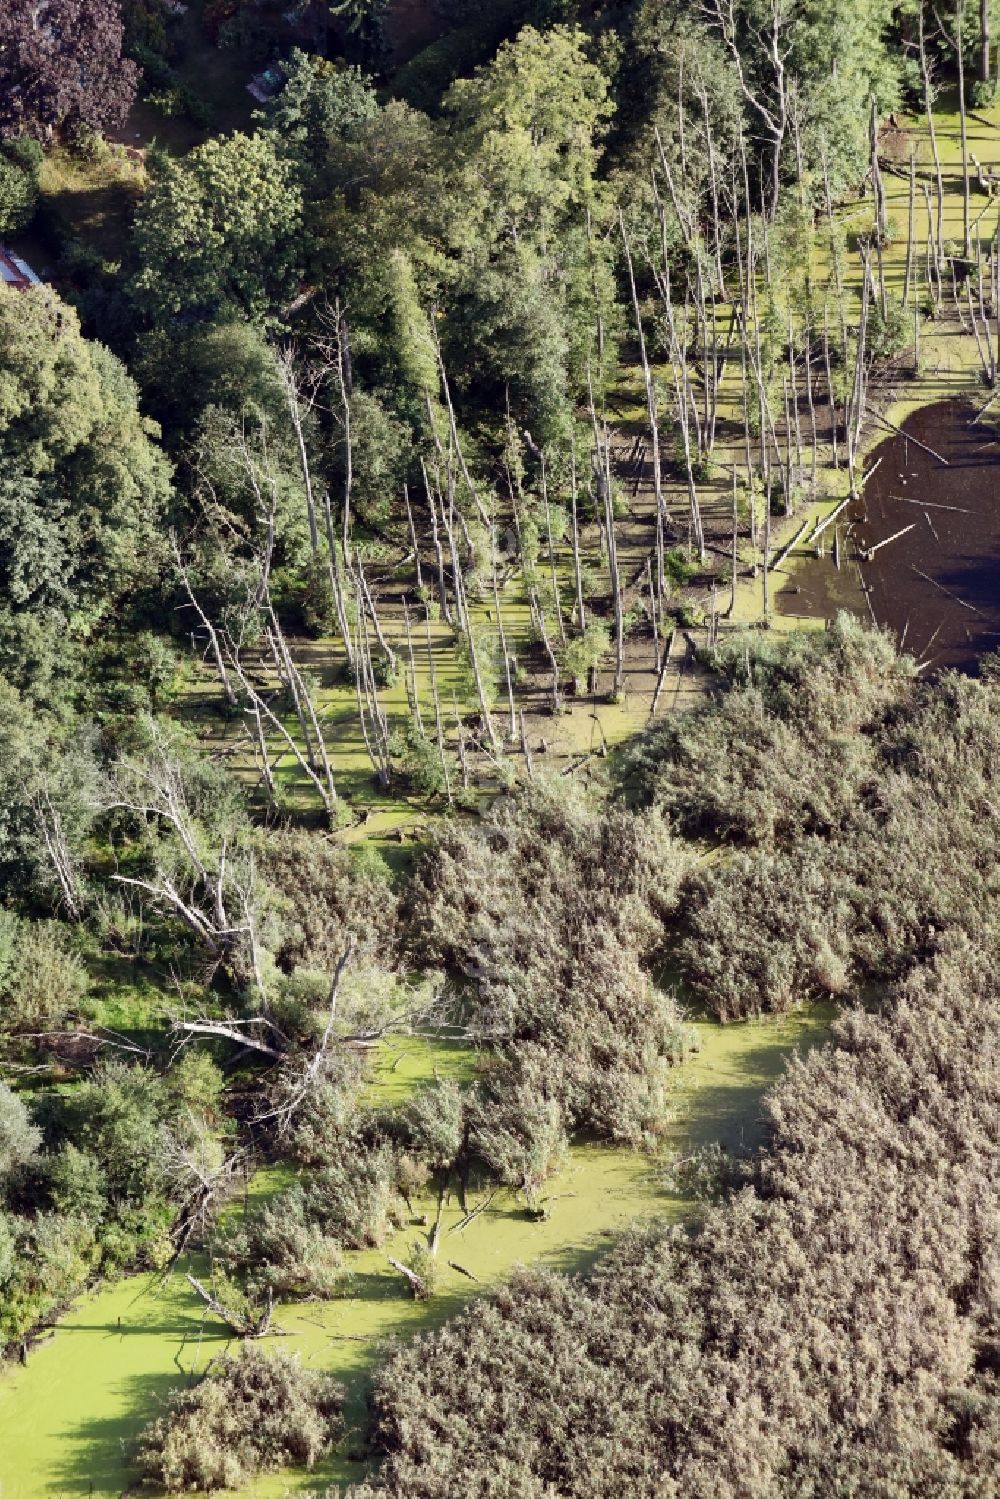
{"points": [[15, 272]]}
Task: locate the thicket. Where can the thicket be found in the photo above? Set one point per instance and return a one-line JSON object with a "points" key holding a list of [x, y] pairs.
{"points": [[859, 807], [251, 1412], [838, 1316], [547, 914]]}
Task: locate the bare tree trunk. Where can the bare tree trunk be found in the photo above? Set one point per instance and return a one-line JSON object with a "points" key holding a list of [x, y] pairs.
{"points": [[651, 410], [290, 385], [984, 41], [437, 705], [577, 574], [602, 478], [925, 73], [413, 537], [438, 548], [336, 582], [909, 228]]}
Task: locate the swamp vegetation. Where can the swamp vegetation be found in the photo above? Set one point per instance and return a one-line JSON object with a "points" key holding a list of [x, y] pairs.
{"points": [[427, 818]]}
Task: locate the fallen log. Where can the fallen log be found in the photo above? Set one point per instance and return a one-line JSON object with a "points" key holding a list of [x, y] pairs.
{"points": [[663, 672], [947, 591], [480, 1207], [910, 438], [821, 527], [928, 504], [894, 537], [416, 1283], [792, 544]]}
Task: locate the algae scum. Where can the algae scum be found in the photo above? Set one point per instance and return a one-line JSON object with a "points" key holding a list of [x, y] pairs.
{"points": [[67, 1420], [920, 549]]}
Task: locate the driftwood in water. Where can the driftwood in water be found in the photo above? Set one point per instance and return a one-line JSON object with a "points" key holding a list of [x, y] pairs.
{"points": [[947, 591], [416, 1283], [793, 543], [480, 1207], [245, 1326], [869, 554], [663, 673], [831, 517], [910, 438], [928, 504]]}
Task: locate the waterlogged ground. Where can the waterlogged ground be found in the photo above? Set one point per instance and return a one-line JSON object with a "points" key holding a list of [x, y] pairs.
{"points": [[68, 1419]]}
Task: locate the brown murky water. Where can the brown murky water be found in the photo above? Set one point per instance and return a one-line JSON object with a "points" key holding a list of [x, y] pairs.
{"points": [[920, 550]]}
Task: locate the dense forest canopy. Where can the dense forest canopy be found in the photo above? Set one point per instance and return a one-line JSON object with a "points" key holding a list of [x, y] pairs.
{"points": [[406, 462]]}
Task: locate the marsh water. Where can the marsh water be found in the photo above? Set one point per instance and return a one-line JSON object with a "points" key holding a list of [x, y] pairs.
{"points": [[919, 551], [68, 1420]]}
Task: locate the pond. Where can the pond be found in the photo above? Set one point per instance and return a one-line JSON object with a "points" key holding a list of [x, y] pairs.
{"points": [[919, 551], [67, 1421]]}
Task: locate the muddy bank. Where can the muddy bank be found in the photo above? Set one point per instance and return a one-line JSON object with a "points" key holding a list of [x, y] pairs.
{"points": [[920, 550]]}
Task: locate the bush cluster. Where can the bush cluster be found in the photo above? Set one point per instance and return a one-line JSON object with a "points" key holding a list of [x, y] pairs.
{"points": [[250, 1413], [546, 915], [859, 806], [837, 1317]]}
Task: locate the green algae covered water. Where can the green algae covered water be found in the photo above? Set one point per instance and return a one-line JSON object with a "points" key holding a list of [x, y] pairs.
{"points": [[68, 1420]]}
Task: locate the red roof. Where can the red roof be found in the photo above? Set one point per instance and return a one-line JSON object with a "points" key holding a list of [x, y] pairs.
{"points": [[16, 272]]}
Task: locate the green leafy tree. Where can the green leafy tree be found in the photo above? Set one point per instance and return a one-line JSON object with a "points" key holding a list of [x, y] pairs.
{"points": [[18, 196], [530, 126], [220, 232], [321, 103], [19, 1139], [83, 482]]}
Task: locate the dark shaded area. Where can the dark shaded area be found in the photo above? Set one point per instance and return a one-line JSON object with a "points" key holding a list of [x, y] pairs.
{"points": [[937, 586]]}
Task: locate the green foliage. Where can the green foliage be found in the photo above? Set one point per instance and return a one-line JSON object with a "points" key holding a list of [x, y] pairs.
{"points": [[420, 760], [281, 1249], [41, 979], [436, 1123], [83, 483], [18, 194], [320, 104], [219, 232], [355, 1198], [19, 1139], [847, 782], [252, 1412], [533, 119], [325, 896]]}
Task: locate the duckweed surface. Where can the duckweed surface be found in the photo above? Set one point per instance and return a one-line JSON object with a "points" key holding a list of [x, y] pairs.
{"points": [[67, 1420]]}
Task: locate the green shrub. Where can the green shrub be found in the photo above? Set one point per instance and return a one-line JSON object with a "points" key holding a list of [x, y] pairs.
{"points": [[355, 1198], [18, 196], [41, 978], [251, 1413], [19, 1139], [280, 1248], [547, 911]]}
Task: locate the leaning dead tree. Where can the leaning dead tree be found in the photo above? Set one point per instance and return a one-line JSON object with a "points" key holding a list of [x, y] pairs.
{"points": [[210, 890], [256, 668], [61, 857], [246, 1320]]}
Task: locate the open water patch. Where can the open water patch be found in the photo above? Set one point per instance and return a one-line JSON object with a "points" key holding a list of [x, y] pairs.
{"points": [[919, 551]]}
